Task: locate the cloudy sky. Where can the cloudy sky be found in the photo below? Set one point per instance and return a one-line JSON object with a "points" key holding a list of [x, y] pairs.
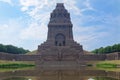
{"points": [[23, 23]]}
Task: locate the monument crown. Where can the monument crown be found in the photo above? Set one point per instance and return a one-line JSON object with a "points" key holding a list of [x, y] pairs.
{"points": [[60, 5], [60, 15]]}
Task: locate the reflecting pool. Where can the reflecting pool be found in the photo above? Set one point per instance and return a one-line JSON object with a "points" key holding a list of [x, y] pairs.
{"points": [[60, 74]]}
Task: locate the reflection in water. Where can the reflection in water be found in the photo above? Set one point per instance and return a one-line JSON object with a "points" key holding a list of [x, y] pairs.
{"points": [[16, 78], [60, 74], [97, 78], [104, 78], [91, 79]]}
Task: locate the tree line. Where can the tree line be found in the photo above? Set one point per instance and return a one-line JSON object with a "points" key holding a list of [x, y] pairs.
{"points": [[12, 49], [108, 49]]}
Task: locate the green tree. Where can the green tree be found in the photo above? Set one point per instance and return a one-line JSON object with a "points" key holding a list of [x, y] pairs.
{"points": [[108, 49], [95, 51], [2, 48], [12, 49], [114, 48], [118, 48], [101, 50]]}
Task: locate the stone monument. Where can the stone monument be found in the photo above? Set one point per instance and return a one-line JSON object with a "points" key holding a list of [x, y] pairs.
{"points": [[60, 45]]}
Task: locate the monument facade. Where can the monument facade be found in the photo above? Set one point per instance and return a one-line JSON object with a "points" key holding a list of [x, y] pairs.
{"points": [[60, 45]]}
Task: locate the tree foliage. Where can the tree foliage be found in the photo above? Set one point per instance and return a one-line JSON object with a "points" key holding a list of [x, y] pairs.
{"points": [[12, 49], [108, 49]]}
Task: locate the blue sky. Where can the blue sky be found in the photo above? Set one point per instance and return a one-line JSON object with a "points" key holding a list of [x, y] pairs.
{"points": [[23, 23]]}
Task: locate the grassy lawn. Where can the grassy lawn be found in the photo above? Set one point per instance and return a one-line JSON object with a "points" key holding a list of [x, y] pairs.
{"points": [[102, 62], [31, 53], [18, 65], [106, 65], [9, 62], [111, 62], [15, 65], [21, 78]]}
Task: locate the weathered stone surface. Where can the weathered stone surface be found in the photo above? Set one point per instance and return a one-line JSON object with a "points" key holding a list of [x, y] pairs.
{"points": [[37, 58], [113, 56]]}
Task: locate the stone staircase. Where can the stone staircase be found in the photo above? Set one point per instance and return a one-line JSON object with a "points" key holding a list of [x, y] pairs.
{"points": [[60, 52], [59, 64]]}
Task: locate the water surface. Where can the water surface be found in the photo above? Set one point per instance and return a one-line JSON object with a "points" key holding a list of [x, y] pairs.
{"points": [[60, 74]]}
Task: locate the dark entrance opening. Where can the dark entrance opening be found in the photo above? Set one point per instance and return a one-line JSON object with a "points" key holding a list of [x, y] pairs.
{"points": [[59, 40]]}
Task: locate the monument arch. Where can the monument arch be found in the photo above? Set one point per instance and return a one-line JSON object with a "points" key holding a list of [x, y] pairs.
{"points": [[59, 40]]}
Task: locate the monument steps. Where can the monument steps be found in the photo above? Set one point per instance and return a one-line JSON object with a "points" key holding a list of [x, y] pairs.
{"points": [[60, 64]]}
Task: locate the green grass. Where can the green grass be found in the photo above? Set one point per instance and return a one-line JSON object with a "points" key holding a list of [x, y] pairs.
{"points": [[104, 62], [111, 62], [35, 52], [16, 62], [21, 78], [10, 69], [106, 65], [31, 53], [15, 65], [17, 78]]}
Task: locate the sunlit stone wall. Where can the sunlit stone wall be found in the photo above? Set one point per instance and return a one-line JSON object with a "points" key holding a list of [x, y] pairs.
{"points": [[85, 57]]}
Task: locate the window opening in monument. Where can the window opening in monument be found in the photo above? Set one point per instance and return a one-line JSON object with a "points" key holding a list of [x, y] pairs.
{"points": [[59, 40]]}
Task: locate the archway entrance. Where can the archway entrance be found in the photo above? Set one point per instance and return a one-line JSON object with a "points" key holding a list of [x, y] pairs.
{"points": [[60, 40]]}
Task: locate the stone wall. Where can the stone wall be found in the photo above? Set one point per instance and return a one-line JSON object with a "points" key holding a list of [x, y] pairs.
{"points": [[92, 57], [18, 57], [83, 57], [113, 56]]}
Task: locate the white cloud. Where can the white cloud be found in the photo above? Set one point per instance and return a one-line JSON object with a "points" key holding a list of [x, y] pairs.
{"points": [[88, 6], [38, 7], [39, 11], [100, 31], [16, 33], [88, 36], [7, 1], [9, 32], [4, 26], [34, 31]]}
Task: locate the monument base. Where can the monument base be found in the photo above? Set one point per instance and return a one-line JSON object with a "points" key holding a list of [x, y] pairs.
{"points": [[60, 53], [60, 64]]}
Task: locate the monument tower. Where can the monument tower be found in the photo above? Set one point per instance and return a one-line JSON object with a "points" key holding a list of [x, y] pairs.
{"points": [[60, 45]]}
